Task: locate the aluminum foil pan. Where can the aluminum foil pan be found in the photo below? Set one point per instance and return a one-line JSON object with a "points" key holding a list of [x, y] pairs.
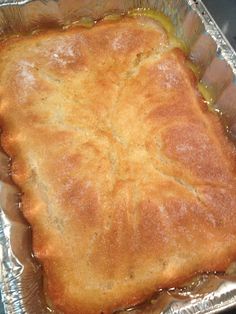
{"points": [[21, 275]]}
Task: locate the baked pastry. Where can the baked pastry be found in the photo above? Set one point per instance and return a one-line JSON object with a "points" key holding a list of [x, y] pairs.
{"points": [[127, 179]]}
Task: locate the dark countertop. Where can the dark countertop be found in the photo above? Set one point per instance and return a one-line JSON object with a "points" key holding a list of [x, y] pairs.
{"points": [[224, 13]]}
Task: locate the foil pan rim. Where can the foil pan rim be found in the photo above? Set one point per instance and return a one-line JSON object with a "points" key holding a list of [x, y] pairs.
{"points": [[18, 2], [225, 48], [10, 268], [206, 305]]}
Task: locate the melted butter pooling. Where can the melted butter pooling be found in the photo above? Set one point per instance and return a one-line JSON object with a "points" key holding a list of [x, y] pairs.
{"points": [[206, 92]]}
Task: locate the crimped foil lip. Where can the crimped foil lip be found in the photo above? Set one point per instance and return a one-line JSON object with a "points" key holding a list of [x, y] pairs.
{"points": [[10, 269], [207, 304], [4, 3], [225, 49]]}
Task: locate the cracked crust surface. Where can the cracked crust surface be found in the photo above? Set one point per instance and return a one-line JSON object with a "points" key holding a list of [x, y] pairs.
{"points": [[128, 180]]}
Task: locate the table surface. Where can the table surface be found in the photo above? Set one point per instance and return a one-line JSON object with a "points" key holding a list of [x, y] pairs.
{"points": [[224, 13]]}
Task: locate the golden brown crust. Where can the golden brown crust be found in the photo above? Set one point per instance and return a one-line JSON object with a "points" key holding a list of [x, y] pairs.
{"points": [[128, 180]]}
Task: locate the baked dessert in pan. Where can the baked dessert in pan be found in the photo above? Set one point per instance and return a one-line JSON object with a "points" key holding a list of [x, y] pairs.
{"points": [[127, 179]]}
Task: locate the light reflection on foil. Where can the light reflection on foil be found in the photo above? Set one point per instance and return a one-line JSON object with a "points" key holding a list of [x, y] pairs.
{"points": [[11, 270]]}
